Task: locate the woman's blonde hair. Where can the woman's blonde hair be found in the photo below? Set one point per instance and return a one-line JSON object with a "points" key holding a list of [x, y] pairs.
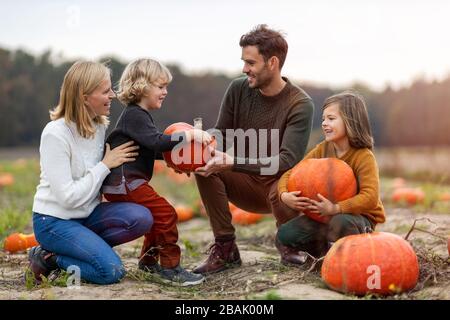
{"points": [[137, 76], [81, 79], [353, 110]]}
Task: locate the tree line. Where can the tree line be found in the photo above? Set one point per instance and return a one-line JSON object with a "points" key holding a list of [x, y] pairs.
{"points": [[417, 115]]}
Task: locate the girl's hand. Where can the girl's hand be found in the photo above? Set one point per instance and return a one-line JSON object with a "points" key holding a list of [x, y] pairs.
{"points": [[120, 154], [294, 201], [325, 207], [199, 136]]}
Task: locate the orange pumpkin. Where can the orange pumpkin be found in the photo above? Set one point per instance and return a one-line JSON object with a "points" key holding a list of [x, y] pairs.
{"points": [[445, 196], [243, 217], [331, 177], [6, 179], [379, 262], [19, 242], [186, 157], [184, 213], [411, 196]]}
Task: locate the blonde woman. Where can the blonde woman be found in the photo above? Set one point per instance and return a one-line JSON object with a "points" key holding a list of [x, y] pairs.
{"points": [[71, 224]]}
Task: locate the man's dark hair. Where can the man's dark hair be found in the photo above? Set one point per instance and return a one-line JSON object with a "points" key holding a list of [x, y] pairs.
{"points": [[269, 42]]}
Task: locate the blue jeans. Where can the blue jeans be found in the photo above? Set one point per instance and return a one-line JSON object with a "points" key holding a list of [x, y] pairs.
{"points": [[87, 243]]}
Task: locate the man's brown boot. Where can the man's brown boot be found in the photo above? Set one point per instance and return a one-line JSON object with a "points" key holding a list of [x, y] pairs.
{"points": [[222, 255], [290, 255]]}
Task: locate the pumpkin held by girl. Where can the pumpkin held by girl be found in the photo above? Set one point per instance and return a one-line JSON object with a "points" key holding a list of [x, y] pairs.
{"points": [[331, 177]]}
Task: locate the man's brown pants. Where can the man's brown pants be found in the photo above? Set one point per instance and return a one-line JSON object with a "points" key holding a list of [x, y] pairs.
{"points": [[249, 192]]}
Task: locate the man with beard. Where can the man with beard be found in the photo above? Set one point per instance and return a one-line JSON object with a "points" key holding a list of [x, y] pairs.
{"points": [[271, 106]]}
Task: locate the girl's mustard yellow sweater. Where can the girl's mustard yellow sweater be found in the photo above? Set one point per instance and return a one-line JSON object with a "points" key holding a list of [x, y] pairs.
{"points": [[367, 201]]}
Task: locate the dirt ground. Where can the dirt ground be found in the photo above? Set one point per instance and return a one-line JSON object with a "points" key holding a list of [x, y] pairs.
{"points": [[260, 277]]}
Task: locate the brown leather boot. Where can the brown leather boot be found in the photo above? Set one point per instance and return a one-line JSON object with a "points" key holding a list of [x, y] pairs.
{"points": [[222, 255], [290, 255]]}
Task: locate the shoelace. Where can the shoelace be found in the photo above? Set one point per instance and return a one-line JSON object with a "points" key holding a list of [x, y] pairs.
{"points": [[215, 249]]}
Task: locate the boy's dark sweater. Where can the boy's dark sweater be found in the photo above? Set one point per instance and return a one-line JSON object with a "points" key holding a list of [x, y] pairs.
{"points": [[136, 124]]}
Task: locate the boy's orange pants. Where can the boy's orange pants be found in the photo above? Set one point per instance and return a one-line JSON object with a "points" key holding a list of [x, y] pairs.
{"points": [[161, 241]]}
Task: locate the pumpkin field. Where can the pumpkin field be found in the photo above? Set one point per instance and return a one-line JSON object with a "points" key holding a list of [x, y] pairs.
{"points": [[417, 206]]}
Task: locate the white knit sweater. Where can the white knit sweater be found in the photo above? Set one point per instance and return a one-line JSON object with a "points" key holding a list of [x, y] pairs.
{"points": [[71, 171]]}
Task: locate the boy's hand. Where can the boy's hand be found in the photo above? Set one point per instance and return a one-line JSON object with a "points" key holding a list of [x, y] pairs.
{"points": [[199, 136], [294, 201], [325, 207]]}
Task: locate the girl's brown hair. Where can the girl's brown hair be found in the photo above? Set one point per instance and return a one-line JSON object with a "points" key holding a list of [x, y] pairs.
{"points": [[82, 78], [353, 110]]}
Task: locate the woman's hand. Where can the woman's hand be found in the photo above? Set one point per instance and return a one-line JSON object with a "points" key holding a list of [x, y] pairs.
{"points": [[199, 136], [120, 154], [294, 201], [324, 207]]}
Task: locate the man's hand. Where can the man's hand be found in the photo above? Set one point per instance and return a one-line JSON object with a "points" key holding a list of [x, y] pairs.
{"points": [[220, 161], [325, 207]]}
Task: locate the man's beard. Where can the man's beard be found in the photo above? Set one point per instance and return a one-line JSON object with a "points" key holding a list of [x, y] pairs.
{"points": [[262, 82]]}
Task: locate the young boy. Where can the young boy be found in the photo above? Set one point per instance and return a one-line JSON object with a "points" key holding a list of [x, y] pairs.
{"points": [[143, 87]]}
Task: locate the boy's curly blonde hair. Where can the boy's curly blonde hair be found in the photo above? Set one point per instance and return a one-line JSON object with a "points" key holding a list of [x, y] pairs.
{"points": [[137, 76]]}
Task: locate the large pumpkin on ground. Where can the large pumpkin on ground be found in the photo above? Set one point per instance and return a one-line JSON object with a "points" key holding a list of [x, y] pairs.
{"points": [[331, 177], [186, 157], [381, 263]]}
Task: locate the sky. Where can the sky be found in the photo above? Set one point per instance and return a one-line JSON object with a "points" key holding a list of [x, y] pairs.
{"points": [[331, 43]]}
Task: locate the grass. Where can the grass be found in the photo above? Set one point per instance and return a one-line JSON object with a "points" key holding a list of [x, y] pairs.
{"points": [[54, 280], [12, 220], [16, 200], [191, 249]]}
